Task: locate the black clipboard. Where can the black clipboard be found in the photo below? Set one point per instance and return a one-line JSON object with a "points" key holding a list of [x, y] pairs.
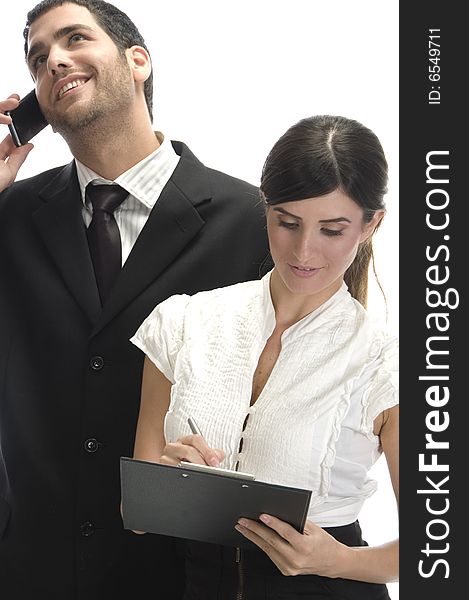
{"points": [[184, 503]]}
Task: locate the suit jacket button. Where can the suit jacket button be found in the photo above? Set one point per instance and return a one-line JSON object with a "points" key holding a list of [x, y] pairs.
{"points": [[97, 363], [87, 528], [91, 445]]}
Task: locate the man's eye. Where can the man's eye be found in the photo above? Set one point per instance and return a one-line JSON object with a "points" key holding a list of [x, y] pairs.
{"points": [[38, 61], [76, 37]]}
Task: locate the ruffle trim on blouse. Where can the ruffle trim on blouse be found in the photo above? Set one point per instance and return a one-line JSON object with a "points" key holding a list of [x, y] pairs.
{"points": [[384, 392], [384, 387], [329, 458]]}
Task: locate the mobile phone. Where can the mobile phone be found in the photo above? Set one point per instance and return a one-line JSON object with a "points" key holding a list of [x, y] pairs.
{"points": [[27, 119], [215, 470]]}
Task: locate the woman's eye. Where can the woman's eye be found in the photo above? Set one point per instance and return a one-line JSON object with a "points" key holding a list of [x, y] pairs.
{"points": [[288, 225], [331, 232]]}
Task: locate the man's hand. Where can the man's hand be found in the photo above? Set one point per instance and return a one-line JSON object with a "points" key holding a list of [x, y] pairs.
{"points": [[11, 157]]}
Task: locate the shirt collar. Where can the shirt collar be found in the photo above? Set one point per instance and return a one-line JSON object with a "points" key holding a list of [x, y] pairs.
{"points": [[144, 181]]}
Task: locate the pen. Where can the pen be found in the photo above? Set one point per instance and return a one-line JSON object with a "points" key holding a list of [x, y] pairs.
{"points": [[194, 427], [214, 461]]}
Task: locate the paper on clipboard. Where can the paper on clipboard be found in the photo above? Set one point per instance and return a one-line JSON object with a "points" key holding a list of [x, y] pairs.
{"points": [[203, 506], [218, 470]]}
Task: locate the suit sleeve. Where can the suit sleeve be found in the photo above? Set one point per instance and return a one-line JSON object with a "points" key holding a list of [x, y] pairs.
{"points": [[161, 334]]}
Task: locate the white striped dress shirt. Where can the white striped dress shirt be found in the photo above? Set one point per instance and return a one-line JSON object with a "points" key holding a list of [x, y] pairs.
{"points": [[144, 182]]}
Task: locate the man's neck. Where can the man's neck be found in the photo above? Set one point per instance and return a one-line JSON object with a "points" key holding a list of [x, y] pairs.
{"points": [[109, 152]]}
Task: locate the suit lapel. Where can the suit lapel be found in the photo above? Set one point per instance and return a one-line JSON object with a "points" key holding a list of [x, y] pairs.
{"points": [[59, 222], [172, 224]]}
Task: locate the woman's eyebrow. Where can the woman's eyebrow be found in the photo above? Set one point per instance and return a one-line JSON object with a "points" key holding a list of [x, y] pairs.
{"points": [[285, 212], [336, 220]]}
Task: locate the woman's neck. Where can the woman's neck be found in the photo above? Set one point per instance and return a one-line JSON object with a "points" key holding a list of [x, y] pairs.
{"points": [[289, 307]]}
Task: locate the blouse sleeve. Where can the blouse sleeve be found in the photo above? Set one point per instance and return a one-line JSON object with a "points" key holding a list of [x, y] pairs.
{"points": [[161, 334], [383, 389]]}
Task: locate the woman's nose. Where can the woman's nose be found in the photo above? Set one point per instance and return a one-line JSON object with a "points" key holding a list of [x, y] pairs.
{"points": [[304, 249]]}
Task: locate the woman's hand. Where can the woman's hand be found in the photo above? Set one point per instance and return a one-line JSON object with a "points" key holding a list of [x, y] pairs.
{"points": [[316, 552], [194, 449], [11, 157], [313, 552]]}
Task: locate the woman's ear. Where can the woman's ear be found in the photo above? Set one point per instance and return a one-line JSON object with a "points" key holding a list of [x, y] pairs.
{"points": [[140, 63], [370, 227]]}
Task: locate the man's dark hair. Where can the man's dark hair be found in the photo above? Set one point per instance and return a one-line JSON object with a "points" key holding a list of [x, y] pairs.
{"points": [[113, 21]]}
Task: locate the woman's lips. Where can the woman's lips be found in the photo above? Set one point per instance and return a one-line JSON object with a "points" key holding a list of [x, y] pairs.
{"points": [[300, 271]]}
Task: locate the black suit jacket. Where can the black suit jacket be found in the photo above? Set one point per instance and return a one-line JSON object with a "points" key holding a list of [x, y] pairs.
{"points": [[70, 379]]}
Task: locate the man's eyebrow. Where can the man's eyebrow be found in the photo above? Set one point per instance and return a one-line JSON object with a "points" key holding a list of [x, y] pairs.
{"points": [[60, 33], [336, 220]]}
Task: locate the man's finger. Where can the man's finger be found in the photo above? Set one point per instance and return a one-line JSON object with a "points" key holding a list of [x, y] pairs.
{"points": [[18, 156]]}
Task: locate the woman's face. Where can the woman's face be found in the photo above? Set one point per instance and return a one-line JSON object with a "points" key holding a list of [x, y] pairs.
{"points": [[314, 241]]}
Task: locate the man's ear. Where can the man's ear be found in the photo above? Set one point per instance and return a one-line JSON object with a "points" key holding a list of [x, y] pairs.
{"points": [[140, 63], [370, 227]]}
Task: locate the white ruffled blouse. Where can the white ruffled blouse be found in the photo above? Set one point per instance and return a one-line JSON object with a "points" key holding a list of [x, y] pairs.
{"points": [[312, 425]]}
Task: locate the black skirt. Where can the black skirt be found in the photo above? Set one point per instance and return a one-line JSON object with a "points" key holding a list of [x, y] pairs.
{"points": [[222, 573]]}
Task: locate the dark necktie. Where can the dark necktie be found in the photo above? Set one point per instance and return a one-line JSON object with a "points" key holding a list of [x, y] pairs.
{"points": [[103, 235]]}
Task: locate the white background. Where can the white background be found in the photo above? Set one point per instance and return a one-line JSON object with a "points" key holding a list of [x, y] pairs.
{"points": [[231, 77]]}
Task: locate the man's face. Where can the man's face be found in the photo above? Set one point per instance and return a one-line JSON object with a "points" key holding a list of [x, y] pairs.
{"points": [[81, 78]]}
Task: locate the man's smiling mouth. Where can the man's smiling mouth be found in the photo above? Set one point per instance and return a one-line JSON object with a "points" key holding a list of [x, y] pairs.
{"points": [[70, 85]]}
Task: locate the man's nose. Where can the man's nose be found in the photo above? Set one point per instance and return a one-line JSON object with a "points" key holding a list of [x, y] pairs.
{"points": [[58, 60]]}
